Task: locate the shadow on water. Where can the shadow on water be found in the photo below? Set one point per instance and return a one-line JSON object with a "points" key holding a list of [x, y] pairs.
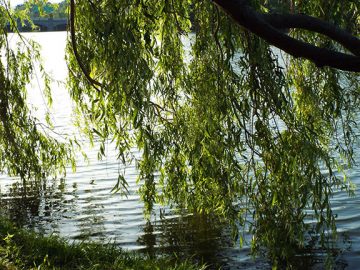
{"points": [[24, 204], [91, 222], [44, 206], [205, 239], [195, 236]]}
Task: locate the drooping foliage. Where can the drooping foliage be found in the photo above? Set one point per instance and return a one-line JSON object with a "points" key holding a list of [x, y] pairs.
{"points": [[235, 127], [27, 147], [226, 124]]}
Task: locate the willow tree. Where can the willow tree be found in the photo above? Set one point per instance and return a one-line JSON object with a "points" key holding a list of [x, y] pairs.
{"points": [[241, 109], [27, 148]]}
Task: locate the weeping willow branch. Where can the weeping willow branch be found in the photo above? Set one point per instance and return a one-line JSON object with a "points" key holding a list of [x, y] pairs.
{"points": [[93, 82], [268, 28]]}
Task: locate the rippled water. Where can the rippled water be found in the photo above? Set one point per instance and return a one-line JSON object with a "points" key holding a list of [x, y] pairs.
{"points": [[82, 206]]}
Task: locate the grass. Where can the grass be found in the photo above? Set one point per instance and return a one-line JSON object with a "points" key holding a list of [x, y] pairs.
{"points": [[23, 249]]}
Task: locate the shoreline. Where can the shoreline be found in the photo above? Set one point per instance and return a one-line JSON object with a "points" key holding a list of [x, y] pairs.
{"points": [[25, 249]]}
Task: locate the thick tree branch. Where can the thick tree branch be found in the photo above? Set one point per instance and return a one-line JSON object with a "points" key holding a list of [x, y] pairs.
{"points": [[260, 25], [93, 82], [306, 22]]}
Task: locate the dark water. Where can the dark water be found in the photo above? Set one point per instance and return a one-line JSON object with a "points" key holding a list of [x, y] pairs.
{"points": [[82, 206]]}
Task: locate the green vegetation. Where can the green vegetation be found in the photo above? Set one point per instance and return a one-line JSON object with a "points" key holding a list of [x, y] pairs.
{"points": [[234, 127], [27, 149], [21, 249], [40, 9]]}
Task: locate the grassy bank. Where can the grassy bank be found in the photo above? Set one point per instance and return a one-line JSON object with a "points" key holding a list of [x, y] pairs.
{"points": [[22, 249]]}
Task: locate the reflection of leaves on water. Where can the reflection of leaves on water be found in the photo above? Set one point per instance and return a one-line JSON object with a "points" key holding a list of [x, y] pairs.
{"points": [[198, 236], [91, 223], [313, 256], [33, 204], [148, 239], [62, 185], [91, 227], [205, 239]]}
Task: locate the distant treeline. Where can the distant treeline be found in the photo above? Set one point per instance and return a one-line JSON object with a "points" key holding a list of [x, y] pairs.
{"points": [[48, 10]]}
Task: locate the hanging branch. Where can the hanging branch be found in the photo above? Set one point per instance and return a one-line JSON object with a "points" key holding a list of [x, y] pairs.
{"points": [[268, 27], [93, 82], [281, 21]]}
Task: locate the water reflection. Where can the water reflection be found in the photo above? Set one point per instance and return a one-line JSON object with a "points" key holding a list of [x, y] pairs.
{"points": [[197, 236], [91, 221], [83, 213], [24, 203], [205, 239]]}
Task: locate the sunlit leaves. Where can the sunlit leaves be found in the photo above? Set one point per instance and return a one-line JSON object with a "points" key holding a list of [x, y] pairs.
{"points": [[27, 148], [226, 124]]}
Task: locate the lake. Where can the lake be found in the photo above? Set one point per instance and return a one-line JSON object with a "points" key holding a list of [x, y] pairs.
{"points": [[82, 206]]}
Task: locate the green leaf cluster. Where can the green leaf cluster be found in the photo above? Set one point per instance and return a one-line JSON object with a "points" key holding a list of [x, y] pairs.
{"points": [[44, 9], [28, 148], [226, 124]]}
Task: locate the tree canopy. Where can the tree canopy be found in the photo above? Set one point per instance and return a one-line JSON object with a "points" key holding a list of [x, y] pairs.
{"points": [[44, 9], [227, 124]]}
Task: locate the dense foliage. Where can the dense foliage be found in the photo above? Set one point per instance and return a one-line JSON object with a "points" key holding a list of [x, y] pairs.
{"points": [[43, 9], [27, 147], [226, 124]]}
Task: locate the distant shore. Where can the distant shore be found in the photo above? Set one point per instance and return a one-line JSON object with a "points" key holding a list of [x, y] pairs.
{"points": [[42, 25]]}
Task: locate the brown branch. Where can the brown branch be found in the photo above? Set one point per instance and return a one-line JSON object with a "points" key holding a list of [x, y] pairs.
{"points": [[93, 82], [306, 22], [257, 23]]}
